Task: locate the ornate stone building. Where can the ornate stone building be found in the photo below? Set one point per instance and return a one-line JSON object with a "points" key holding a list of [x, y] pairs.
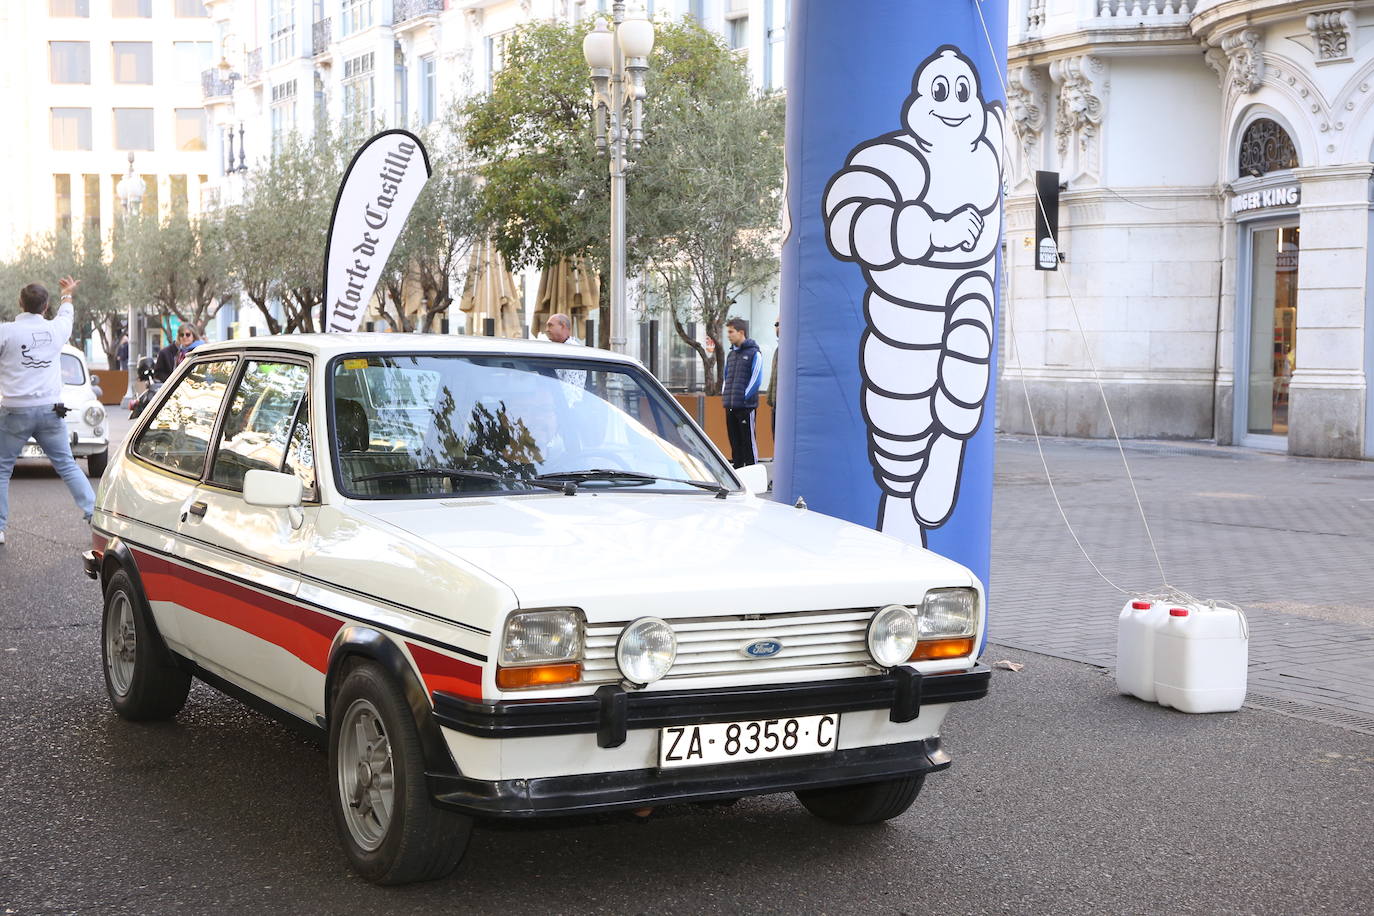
{"points": [[1215, 166]]}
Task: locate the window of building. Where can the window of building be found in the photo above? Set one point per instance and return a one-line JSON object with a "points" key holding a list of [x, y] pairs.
{"points": [[81, 8], [282, 30], [496, 57], [191, 129], [737, 32], [133, 128], [69, 61], [257, 429], [429, 91], [62, 203], [358, 92], [131, 9], [283, 112], [190, 59], [71, 128], [401, 90], [178, 437], [1266, 147], [133, 62], [1273, 327], [91, 198], [354, 16], [191, 9]]}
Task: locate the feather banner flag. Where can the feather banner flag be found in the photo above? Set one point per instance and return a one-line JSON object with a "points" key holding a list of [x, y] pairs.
{"points": [[378, 189]]}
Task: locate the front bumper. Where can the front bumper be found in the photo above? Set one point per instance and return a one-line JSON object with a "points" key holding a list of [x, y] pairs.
{"points": [[594, 793], [613, 713]]}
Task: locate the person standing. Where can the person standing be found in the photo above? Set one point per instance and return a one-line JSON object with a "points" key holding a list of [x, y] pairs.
{"points": [[559, 330], [188, 338], [122, 353], [31, 393], [773, 388], [740, 392]]}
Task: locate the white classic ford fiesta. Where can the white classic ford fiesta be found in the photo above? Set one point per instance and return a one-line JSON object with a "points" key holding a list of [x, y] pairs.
{"points": [[511, 579]]}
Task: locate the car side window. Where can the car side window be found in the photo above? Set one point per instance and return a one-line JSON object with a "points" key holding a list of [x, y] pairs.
{"points": [[178, 436], [258, 424]]}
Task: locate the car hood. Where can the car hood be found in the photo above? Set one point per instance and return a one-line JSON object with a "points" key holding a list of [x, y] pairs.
{"points": [[619, 556]]}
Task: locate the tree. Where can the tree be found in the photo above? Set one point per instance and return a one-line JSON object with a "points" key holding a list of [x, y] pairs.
{"points": [[54, 255], [704, 197], [175, 266]]}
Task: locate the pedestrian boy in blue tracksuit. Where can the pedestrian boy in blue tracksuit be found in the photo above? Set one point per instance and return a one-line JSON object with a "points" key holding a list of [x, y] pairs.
{"points": [[740, 392]]}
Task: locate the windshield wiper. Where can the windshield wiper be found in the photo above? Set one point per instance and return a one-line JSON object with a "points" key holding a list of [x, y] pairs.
{"points": [[468, 473], [637, 476]]}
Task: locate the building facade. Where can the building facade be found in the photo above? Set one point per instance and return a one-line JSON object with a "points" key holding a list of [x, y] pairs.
{"points": [[300, 64], [1214, 163], [86, 83]]}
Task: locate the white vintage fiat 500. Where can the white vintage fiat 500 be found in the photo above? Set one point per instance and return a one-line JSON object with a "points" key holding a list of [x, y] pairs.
{"points": [[512, 579]]}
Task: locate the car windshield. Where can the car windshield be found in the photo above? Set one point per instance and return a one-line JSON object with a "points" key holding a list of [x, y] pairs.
{"points": [[432, 425], [73, 373]]}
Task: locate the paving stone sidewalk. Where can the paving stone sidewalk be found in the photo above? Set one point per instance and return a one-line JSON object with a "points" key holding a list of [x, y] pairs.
{"points": [[1290, 540]]}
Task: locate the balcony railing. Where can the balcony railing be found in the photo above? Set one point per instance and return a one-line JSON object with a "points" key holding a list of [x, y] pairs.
{"points": [[214, 86], [401, 10], [1142, 9], [320, 35]]}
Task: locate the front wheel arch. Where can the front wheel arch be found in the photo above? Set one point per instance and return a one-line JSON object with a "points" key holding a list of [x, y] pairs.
{"points": [[366, 643]]}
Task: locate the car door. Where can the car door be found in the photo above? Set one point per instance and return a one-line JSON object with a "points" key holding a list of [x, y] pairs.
{"points": [[145, 501], [249, 629]]}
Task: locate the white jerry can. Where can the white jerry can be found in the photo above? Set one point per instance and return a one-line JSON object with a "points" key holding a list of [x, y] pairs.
{"points": [[1201, 654], [1135, 647]]}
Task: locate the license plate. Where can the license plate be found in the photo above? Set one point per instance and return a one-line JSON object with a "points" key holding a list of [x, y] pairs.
{"points": [[729, 742], [31, 451]]}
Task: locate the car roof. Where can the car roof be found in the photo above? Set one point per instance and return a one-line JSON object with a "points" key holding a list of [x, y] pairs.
{"points": [[328, 345]]}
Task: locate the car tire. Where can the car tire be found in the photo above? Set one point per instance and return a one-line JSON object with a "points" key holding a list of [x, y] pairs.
{"points": [[140, 685], [96, 462], [391, 831], [866, 803]]}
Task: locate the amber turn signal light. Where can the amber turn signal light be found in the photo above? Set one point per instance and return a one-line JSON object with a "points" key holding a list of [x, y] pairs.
{"points": [[942, 648], [538, 676]]}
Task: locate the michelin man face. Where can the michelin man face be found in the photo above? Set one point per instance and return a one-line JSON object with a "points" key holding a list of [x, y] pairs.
{"points": [[946, 106]]}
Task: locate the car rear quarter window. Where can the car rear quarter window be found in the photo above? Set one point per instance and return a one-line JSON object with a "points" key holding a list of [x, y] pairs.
{"points": [[256, 433], [178, 435], [73, 373]]}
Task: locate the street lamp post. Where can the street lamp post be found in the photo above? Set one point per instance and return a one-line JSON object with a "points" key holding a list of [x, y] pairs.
{"points": [[618, 55], [130, 191]]}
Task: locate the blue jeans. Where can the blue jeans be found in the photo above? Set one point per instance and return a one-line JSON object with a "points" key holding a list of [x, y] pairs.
{"points": [[17, 424]]}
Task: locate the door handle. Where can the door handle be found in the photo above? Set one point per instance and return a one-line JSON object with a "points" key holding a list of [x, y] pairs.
{"points": [[198, 510]]}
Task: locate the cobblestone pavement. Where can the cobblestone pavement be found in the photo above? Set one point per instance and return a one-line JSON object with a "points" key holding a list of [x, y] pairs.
{"points": [[1290, 540]]}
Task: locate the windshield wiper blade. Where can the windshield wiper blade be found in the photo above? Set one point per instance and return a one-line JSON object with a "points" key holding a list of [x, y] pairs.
{"points": [[470, 473], [611, 474]]}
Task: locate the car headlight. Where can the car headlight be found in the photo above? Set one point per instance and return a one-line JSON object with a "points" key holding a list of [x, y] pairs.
{"points": [[542, 637], [94, 415], [949, 612], [645, 651], [892, 635]]}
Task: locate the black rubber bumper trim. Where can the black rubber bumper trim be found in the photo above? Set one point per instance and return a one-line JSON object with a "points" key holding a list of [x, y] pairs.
{"points": [[612, 711], [91, 563], [590, 793]]}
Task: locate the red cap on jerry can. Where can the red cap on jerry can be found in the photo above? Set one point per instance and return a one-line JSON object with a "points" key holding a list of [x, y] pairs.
{"points": [[1141, 605], [1178, 612]]}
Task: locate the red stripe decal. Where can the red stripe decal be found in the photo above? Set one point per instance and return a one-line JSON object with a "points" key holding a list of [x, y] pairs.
{"points": [[446, 673], [304, 633]]}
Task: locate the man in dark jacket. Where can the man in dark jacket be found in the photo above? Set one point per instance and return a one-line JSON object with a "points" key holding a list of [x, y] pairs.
{"points": [[740, 391]]}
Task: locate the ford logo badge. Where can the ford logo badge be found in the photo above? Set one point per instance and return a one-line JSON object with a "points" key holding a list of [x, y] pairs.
{"points": [[762, 648]]}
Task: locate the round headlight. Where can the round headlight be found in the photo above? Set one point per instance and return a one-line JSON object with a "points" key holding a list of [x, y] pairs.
{"points": [[645, 651], [94, 414], [892, 635]]}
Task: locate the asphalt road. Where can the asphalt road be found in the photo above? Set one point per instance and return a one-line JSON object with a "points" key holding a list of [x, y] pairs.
{"points": [[1063, 797]]}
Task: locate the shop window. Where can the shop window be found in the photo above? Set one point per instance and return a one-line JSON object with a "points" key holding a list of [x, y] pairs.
{"points": [[1266, 147]]}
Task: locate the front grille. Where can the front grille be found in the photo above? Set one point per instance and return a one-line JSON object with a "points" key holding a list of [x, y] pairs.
{"points": [[713, 646]]}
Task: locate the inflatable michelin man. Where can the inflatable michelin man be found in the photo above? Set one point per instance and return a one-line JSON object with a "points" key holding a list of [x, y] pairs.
{"points": [[919, 210]]}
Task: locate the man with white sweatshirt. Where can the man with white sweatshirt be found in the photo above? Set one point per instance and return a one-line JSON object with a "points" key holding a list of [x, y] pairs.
{"points": [[31, 393]]}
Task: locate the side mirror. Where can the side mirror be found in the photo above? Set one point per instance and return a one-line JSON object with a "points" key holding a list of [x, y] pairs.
{"points": [[754, 477], [272, 489]]}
